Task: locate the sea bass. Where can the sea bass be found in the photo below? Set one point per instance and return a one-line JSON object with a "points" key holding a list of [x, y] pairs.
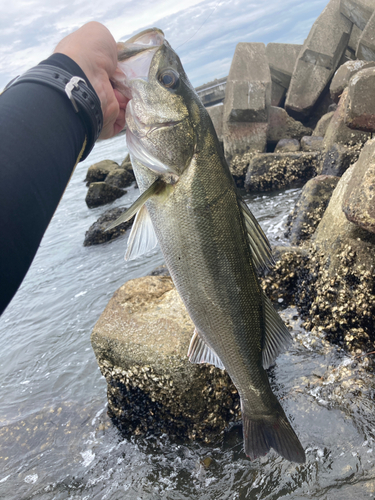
{"points": [[212, 244]]}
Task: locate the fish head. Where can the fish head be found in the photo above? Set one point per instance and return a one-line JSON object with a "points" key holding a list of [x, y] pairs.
{"points": [[160, 115]]}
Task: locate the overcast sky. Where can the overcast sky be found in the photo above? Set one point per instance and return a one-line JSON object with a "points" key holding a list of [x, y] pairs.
{"points": [[203, 33]]}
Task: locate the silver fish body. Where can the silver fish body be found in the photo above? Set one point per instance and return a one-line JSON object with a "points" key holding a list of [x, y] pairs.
{"points": [[211, 243]]}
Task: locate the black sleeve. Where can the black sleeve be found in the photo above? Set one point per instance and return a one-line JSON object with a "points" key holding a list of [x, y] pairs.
{"points": [[41, 141]]}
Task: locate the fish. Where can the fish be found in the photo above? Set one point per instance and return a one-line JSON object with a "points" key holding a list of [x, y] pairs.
{"points": [[214, 248]]}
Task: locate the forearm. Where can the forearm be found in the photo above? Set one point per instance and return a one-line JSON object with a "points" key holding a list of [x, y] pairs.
{"points": [[41, 140]]}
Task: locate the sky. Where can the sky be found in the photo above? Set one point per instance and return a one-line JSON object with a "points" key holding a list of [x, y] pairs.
{"points": [[203, 33]]}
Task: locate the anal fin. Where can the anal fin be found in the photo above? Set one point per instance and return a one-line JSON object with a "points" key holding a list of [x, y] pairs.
{"points": [[200, 352]]}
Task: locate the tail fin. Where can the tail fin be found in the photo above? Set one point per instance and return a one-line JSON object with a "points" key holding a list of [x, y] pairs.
{"points": [[262, 434]]}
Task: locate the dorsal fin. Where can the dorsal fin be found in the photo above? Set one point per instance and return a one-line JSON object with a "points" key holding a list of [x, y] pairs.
{"points": [[259, 244], [277, 336]]}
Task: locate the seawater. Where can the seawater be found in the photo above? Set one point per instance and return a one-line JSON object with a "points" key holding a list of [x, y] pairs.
{"points": [[56, 441]]}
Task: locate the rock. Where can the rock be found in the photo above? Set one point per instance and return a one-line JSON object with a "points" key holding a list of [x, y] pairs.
{"points": [[360, 105], [309, 144], [310, 208], [357, 11], [216, 115], [358, 201], [281, 282], [141, 342], [332, 107], [126, 162], [99, 171], [322, 125], [281, 58], [287, 146], [247, 99], [338, 132], [277, 170], [101, 193], [318, 60], [343, 75], [366, 43], [97, 233], [120, 178], [339, 158], [282, 126], [338, 288]]}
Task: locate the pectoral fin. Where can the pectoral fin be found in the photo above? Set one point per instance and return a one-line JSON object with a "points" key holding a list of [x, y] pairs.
{"points": [[277, 336], [200, 352], [259, 244], [142, 238], [154, 189]]}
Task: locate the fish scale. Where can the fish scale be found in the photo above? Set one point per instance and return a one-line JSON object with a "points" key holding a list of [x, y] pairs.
{"points": [[211, 242]]}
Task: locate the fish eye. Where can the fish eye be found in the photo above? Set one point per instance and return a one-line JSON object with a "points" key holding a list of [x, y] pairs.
{"points": [[169, 78]]}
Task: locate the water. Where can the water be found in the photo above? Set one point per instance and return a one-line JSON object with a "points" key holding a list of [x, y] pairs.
{"points": [[55, 438]]}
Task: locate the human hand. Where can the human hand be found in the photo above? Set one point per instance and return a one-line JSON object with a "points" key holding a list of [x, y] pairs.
{"points": [[94, 49]]}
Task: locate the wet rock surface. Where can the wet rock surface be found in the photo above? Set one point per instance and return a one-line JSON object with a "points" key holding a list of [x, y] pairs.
{"points": [[99, 171], [309, 144], [97, 233], [360, 103], [101, 193], [141, 343], [322, 125], [287, 146], [338, 159], [310, 208], [120, 178], [277, 170], [359, 198]]}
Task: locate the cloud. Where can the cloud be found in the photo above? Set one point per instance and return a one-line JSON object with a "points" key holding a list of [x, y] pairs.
{"points": [[204, 33]]}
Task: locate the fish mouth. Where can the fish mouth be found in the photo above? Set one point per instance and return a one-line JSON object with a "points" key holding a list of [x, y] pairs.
{"points": [[134, 59]]}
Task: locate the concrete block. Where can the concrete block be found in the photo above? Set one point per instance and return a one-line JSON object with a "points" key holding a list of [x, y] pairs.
{"points": [[318, 59], [354, 39], [360, 103], [357, 11], [282, 58], [366, 43], [216, 115], [248, 89], [241, 141], [343, 75], [278, 93], [247, 101]]}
